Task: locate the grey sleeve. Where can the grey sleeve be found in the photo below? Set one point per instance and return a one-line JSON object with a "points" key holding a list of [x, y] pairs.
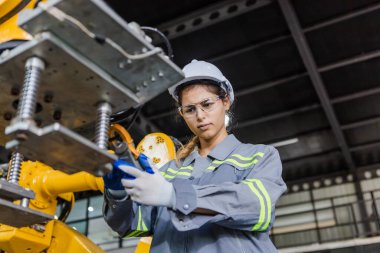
{"points": [[245, 205], [129, 218]]}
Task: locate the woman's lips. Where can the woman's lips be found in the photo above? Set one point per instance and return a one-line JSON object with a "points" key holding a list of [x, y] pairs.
{"points": [[204, 127]]}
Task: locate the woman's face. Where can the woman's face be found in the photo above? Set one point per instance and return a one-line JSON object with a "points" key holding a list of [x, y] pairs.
{"points": [[205, 124]]}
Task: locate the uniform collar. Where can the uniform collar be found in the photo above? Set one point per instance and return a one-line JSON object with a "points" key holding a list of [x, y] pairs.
{"points": [[220, 152], [190, 158], [225, 148]]}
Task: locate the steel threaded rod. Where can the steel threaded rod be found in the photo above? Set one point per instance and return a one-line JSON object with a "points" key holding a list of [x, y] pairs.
{"points": [[103, 125], [26, 108], [27, 103], [15, 169]]}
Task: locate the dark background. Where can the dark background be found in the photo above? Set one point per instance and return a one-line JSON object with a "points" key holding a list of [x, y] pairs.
{"points": [[305, 69]]}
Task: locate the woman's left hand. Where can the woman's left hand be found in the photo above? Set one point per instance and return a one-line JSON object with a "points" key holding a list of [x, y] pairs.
{"points": [[149, 189]]}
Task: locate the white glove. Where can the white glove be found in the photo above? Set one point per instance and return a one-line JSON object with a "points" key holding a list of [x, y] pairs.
{"points": [[149, 189]]}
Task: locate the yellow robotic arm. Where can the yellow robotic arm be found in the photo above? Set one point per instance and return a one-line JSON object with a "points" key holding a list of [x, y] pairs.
{"points": [[49, 184]]}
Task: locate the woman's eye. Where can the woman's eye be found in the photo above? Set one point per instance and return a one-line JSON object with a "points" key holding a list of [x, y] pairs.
{"points": [[189, 109], [207, 104]]}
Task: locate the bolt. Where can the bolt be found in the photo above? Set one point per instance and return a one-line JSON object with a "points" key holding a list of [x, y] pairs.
{"points": [[57, 115], [15, 91], [48, 98], [7, 116], [38, 122]]}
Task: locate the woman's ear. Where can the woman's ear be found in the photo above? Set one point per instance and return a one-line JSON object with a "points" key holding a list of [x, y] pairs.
{"points": [[226, 103]]}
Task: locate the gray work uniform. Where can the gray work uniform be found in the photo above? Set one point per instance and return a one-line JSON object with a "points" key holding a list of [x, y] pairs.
{"points": [[240, 182]]}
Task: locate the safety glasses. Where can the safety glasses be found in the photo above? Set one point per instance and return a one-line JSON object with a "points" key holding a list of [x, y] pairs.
{"points": [[206, 105]]}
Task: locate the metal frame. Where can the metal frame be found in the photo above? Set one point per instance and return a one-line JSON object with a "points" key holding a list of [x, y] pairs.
{"points": [[316, 79], [266, 85], [274, 83], [209, 15], [327, 101], [317, 26]]}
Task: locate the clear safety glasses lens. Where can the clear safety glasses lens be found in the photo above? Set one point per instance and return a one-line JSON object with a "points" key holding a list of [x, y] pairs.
{"points": [[206, 105]]}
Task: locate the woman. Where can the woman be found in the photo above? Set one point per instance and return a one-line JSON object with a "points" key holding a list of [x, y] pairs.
{"points": [[218, 196]]}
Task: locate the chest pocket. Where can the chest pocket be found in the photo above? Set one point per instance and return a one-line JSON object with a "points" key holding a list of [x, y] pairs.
{"points": [[225, 172], [234, 168]]}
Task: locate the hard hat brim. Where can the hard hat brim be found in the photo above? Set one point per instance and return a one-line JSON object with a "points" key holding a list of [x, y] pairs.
{"points": [[191, 80]]}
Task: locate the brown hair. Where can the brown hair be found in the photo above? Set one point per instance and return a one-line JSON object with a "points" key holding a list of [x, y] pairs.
{"points": [[189, 147]]}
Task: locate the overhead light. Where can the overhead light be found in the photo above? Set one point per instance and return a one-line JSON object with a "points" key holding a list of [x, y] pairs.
{"points": [[284, 143], [90, 209]]}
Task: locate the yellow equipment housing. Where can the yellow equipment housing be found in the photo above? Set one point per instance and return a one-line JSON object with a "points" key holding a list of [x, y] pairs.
{"points": [[49, 184], [9, 9], [55, 236]]}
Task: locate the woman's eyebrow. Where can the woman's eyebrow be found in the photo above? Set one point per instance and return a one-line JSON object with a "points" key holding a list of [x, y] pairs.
{"points": [[192, 104]]}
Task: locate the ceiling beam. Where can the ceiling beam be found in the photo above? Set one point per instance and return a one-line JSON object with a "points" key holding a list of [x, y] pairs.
{"points": [[208, 16], [356, 95], [311, 28], [266, 85], [359, 147], [375, 144], [360, 123], [277, 116], [309, 62]]}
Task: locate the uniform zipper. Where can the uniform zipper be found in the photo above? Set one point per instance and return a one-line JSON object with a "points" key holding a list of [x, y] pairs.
{"points": [[239, 242]]}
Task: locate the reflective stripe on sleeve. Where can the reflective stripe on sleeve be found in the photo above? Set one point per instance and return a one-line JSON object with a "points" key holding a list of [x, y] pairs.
{"points": [[171, 173], [141, 227], [262, 205], [264, 212]]}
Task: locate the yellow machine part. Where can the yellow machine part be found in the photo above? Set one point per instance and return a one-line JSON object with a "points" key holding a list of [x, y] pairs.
{"points": [[57, 238], [160, 148], [144, 245], [68, 240], [117, 129], [25, 240], [9, 10], [48, 183]]}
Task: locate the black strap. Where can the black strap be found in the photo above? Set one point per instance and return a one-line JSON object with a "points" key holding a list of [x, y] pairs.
{"points": [[14, 11]]}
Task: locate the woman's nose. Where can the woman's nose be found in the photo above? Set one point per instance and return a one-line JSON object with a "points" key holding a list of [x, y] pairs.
{"points": [[199, 112]]}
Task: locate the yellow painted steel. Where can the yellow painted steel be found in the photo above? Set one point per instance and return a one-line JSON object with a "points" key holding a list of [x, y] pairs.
{"points": [[56, 238], [9, 30], [68, 240], [144, 245], [25, 240], [48, 183]]}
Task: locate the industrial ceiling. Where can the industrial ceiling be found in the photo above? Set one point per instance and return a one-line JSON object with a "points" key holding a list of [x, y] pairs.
{"points": [[306, 74]]}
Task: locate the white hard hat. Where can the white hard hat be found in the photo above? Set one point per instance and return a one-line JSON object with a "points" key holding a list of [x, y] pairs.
{"points": [[201, 70]]}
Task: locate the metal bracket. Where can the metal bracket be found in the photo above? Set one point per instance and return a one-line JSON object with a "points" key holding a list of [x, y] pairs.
{"points": [[12, 192], [58, 147], [18, 216]]}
